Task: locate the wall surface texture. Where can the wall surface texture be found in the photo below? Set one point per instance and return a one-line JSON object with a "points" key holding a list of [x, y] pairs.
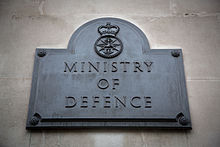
{"points": [[193, 25]]}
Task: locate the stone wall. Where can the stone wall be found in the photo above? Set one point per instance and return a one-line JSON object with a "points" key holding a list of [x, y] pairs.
{"points": [[193, 25]]}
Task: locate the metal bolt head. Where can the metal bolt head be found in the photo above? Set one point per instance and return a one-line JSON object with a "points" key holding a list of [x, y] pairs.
{"points": [[175, 53], [34, 120], [41, 53], [183, 120]]}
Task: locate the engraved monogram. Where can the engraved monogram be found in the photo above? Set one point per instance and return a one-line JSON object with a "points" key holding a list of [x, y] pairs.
{"points": [[108, 45]]}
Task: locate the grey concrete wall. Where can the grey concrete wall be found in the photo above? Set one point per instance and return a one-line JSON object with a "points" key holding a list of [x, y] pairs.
{"points": [[193, 25]]}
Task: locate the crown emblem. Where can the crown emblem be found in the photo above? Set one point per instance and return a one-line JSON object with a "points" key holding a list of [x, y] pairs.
{"points": [[108, 29], [108, 45]]}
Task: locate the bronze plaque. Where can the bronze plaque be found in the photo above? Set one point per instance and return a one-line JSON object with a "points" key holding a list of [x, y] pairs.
{"points": [[108, 77]]}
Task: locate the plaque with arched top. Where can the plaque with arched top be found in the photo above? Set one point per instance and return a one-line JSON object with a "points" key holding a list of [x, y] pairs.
{"points": [[108, 77]]}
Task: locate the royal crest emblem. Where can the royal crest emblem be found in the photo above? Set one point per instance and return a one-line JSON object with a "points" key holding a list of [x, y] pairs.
{"points": [[108, 45]]}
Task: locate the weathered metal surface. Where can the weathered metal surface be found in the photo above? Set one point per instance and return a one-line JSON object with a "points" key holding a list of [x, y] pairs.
{"points": [[108, 77]]}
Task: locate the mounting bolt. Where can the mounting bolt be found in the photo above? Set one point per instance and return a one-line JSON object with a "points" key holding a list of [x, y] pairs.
{"points": [[183, 120], [175, 53], [41, 53], [34, 120]]}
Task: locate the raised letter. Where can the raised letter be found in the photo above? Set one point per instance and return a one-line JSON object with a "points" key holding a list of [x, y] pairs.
{"points": [[103, 84], [114, 68], [105, 64], [137, 66], [124, 65], [148, 64], [106, 102], [95, 100], [120, 101], [70, 68], [135, 106], [73, 102], [96, 68], [84, 102], [82, 66], [147, 102], [115, 82]]}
